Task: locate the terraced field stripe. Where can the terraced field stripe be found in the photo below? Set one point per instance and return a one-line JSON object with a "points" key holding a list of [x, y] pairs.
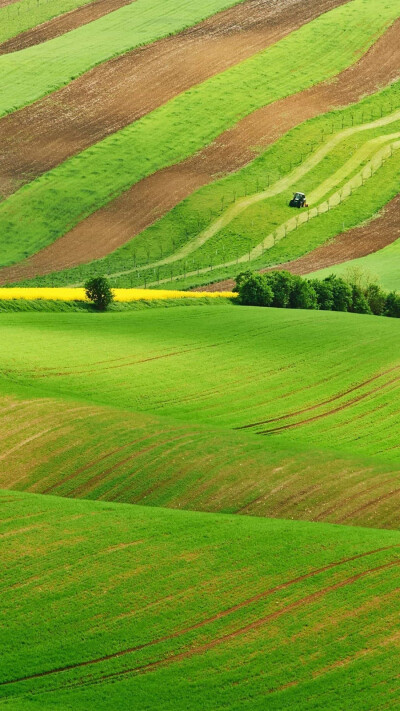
{"points": [[390, 145], [28, 75], [65, 21], [118, 92], [129, 214]]}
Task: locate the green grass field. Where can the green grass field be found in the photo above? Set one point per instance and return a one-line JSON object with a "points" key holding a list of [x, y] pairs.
{"points": [[179, 242], [26, 14], [145, 361], [45, 209], [383, 265], [30, 74], [176, 607]]}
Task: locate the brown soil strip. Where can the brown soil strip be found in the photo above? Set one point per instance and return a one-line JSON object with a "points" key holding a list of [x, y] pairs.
{"points": [[4, 3], [224, 613], [118, 92], [62, 24], [125, 217], [355, 243]]}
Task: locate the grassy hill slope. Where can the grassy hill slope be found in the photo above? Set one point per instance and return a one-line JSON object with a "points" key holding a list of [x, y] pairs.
{"points": [[106, 603]]}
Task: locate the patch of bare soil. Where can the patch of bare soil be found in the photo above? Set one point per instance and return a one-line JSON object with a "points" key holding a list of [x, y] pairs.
{"points": [[61, 24], [136, 209]]}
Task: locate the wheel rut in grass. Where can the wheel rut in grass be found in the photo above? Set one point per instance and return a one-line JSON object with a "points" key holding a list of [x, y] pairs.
{"points": [[122, 90], [224, 613], [62, 24], [128, 215]]}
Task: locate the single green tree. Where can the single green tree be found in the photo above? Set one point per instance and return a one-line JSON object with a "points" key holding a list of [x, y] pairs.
{"points": [[99, 292]]}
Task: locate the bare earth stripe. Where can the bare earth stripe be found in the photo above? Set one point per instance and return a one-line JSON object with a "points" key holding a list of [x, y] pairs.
{"points": [[4, 3], [128, 215], [62, 24], [117, 93]]}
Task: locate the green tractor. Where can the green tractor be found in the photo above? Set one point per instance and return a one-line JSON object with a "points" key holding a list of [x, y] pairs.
{"points": [[298, 200]]}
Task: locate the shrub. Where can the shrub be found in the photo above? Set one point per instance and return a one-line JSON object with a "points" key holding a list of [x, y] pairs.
{"points": [[99, 292], [254, 290], [392, 305], [302, 295], [359, 303], [324, 293], [281, 284], [376, 299]]}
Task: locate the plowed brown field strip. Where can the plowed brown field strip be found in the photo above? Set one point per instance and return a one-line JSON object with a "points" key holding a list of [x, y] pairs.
{"points": [[4, 3], [136, 209], [118, 92], [352, 244], [62, 24]]}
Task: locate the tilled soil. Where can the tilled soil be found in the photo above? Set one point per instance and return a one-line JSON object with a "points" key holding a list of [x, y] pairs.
{"points": [[116, 93], [60, 25], [358, 242], [136, 209]]}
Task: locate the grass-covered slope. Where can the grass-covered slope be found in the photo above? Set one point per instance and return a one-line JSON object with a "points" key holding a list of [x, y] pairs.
{"points": [[383, 265], [108, 603], [287, 376], [25, 14], [346, 157], [36, 71], [75, 450], [44, 210]]}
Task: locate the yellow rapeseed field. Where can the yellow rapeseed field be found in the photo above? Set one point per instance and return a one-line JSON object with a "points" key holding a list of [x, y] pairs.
{"points": [[77, 294]]}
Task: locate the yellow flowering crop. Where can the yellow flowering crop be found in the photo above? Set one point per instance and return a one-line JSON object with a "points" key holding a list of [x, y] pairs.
{"points": [[77, 294]]}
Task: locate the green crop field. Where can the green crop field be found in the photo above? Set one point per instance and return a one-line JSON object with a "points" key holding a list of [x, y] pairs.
{"points": [[150, 361], [36, 71], [26, 14], [49, 206], [200, 499], [383, 265], [199, 232], [174, 607]]}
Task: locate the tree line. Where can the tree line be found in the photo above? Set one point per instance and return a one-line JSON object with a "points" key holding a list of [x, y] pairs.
{"points": [[283, 290]]}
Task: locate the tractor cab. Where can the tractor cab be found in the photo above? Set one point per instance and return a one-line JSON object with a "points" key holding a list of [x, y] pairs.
{"points": [[298, 200]]}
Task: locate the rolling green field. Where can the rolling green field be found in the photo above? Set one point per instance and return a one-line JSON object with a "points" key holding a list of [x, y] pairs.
{"points": [[383, 265], [190, 368], [30, 74], [173, 606], [199, 499], [45, 209]]}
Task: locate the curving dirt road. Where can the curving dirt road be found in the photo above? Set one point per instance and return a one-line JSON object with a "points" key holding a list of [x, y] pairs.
{"points": [[357, 242], [116, 93], [128, 215], [61, 24]]}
